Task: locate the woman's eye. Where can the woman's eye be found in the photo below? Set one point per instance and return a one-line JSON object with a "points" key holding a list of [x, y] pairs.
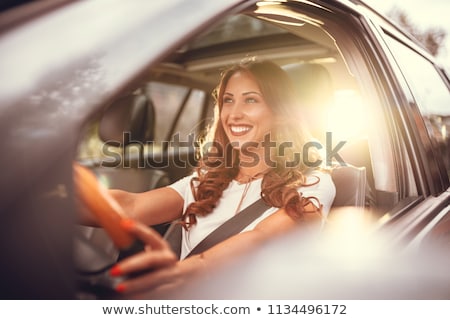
{"points": [[227, 100], [251, 100]]}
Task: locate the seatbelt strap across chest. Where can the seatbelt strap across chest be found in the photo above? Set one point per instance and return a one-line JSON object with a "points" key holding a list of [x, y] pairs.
{"points": [[226, 230]]}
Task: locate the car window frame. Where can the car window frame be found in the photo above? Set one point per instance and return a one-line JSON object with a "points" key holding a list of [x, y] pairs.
{"points": [[394, 100], [432, 167]]}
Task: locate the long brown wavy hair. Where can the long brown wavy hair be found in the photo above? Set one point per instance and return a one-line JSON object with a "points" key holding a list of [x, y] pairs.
{"points": [[219, 163]]}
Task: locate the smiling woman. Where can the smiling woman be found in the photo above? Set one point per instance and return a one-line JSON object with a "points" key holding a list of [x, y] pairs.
{"points": [[255, 100]]}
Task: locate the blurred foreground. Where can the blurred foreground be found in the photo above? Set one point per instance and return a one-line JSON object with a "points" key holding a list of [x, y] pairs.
{"points": [[349, 261]]}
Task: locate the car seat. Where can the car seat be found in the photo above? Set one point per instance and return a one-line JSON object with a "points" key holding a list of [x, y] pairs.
{"points": [[128, 120], [350, 182], [314, 86]]}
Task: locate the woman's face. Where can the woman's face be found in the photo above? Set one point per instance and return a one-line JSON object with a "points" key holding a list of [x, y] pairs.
{"points": [[245, 116]]}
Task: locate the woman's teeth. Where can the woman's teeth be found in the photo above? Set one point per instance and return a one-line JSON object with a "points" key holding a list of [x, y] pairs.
{"points": [[240, 129]]}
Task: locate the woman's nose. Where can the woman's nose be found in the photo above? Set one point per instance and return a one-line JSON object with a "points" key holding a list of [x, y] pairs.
{"points": [[236, 111]]}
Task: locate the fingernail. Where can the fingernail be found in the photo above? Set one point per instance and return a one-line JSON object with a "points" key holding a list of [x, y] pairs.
{"points": [[127, 224], [115, 271], [120, 288]]}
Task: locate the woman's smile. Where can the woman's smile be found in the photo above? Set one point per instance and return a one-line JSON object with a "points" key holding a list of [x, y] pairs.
{"points": [[240, 130]]}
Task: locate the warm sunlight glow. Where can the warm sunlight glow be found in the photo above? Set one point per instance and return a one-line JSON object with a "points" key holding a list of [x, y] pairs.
{"points": [[346, 118], [348, 234]]}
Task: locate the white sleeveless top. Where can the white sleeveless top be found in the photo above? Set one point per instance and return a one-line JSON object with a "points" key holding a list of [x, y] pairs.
{"points": [[227, 207]]}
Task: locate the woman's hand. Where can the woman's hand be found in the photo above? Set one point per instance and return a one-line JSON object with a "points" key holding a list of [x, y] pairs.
{"points": [[160, 272], [157, 266]]}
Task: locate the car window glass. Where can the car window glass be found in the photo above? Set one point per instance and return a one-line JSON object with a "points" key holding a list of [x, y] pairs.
{"points": [[169, 102], [431, 95], [189, 121]]}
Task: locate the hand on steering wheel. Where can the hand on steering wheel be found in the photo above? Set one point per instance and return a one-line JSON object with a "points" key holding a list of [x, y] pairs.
{"points": [[155, 266]]}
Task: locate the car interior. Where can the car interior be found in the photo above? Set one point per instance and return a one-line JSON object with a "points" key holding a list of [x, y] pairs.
{"points": [[139, 142]]}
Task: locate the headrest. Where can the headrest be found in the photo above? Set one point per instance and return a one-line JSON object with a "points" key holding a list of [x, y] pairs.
{"points": [[313, 83], [133, 114], [350, 185]]}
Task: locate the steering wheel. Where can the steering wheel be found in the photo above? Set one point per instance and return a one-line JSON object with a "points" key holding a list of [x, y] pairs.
{"points": [[99, 202]]}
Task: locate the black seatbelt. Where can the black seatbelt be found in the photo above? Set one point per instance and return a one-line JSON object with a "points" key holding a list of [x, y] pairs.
{"points": [[229, 228]]}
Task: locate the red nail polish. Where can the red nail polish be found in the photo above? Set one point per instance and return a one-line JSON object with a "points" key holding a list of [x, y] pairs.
{"points": [[115, 271], [127, 224], [120, 288]]}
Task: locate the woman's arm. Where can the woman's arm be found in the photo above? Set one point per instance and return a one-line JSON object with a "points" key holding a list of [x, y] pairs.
{"points": [[150, 207]]}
